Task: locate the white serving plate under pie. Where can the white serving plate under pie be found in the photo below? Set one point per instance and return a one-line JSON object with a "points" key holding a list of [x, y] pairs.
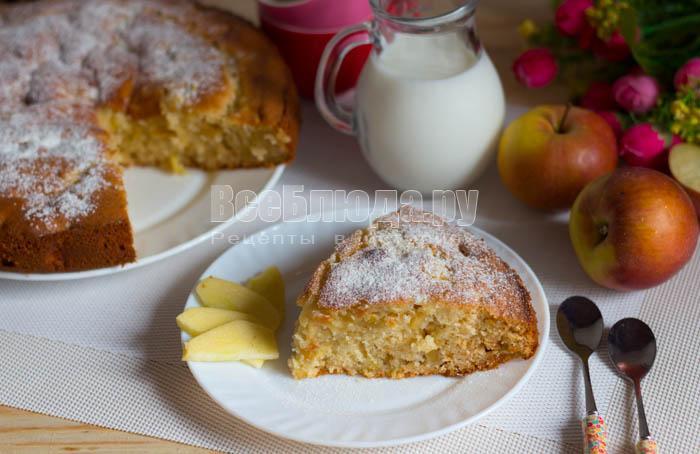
{"points": [[343, 411], [170, 213]]}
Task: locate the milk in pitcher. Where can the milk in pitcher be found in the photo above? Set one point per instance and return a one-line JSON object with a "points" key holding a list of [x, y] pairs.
{"points": [[429, 112]]}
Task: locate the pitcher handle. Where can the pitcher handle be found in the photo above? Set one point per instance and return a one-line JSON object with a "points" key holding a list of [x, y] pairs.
{"points": [[332, 58]]}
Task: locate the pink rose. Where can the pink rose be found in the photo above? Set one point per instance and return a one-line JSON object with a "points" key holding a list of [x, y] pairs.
{"points": [[570, 17], [642, 145], [688, 74], [613, 120], [598, 97], [535, 68], [636, 93], [614, 49]]}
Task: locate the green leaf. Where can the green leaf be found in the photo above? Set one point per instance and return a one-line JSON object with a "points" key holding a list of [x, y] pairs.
{"points": [[663, 35]]}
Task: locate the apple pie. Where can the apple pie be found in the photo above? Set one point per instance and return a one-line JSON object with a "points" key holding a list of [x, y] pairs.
{"points": [[412, 295], [88, 87]]}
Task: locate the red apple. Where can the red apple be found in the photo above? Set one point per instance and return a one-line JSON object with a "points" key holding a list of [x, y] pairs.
{"points": [[547, 156], [633, 229]]}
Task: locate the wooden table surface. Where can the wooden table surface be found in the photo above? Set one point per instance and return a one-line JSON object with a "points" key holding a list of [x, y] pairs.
{"points": [[26, 432]]}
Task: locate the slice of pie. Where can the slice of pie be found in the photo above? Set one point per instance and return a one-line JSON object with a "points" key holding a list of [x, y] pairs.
{"points": [[412, 295]]}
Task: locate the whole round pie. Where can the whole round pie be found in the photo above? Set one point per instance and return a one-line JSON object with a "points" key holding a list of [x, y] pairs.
{"points": [[88, 87]]}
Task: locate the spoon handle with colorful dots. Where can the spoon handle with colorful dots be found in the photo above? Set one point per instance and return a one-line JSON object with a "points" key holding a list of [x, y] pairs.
{"points": [[595, 434], [647, 446]]}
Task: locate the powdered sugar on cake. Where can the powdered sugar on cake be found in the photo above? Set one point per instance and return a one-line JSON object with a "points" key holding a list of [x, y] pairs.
{"points": [[70, 39], [412, 256], [185, 64], [58, 62], [53, 168]]}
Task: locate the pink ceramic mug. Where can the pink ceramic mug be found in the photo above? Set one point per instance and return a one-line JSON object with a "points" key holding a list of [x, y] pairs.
{"points": [[316, 15], [301, 29]]}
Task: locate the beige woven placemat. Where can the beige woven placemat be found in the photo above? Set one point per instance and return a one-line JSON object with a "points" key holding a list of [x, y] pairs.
{"points": [[163, 400], [671, 391]]}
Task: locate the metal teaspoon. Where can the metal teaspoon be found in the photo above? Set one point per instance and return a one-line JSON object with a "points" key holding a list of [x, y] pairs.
{"points": [[580, 326], [632, 348]]}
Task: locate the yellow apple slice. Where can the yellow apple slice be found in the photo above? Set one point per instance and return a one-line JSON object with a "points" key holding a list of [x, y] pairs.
{"points": [[270, 285], [256, 363], [198, 320], [222, 294], [684, 162], [235, 341]]}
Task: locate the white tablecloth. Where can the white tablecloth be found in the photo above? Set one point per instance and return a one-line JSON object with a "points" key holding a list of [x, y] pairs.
{"points": [[106, 351]]}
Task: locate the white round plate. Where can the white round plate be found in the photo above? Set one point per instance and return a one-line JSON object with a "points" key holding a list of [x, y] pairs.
{"points": [[343, 411], [170, 213]]}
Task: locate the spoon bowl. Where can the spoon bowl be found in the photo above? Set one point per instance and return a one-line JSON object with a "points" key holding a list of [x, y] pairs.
{"points": [[632, 348], [580, 325]]}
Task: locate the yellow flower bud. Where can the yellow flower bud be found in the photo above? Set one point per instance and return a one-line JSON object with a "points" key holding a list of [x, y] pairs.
{"points": [[527, 28]]}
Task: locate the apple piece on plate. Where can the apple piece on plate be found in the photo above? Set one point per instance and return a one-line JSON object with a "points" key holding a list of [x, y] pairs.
{"points": [[198, 320], [633, 229], [256, 363], [684, 162], [222, 294], [270, 285], [235, 341], [548, 155]]}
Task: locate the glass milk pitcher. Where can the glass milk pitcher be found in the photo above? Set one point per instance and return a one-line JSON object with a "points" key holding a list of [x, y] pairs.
{"points": [[429, 105]]}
